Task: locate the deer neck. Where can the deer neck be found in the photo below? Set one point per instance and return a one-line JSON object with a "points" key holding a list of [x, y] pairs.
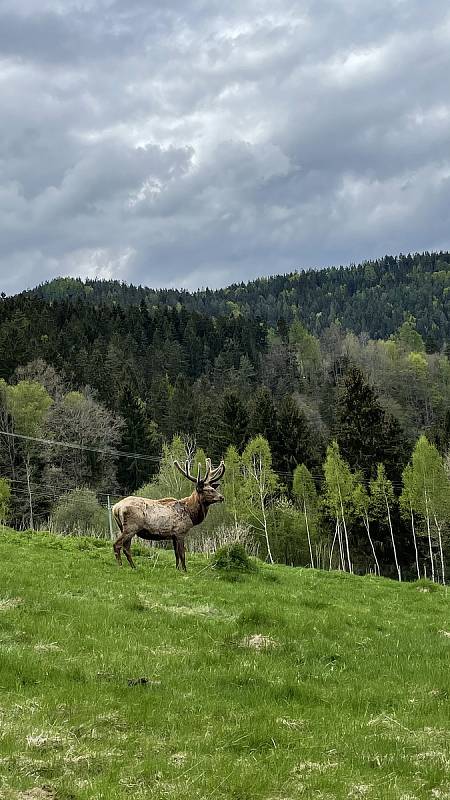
{"points": [[196, 508]]}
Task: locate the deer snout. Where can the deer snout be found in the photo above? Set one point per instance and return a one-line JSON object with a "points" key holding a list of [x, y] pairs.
{"points": [[220, 497]]}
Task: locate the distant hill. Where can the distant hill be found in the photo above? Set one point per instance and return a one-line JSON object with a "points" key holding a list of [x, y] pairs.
{"points": [[373, 297]]}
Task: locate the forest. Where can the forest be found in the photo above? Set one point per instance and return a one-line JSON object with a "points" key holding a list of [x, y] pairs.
{"points": [[370, 298], [327, 393]]}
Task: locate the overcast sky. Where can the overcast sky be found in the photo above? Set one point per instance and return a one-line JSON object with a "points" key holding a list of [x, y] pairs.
{"points": [[196, 142]]}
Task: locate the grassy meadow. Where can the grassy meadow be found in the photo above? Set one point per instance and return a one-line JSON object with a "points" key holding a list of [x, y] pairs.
{"points": [[287, 683]]}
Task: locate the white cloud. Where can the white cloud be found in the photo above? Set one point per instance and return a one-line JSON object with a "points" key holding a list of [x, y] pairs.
{"points": [[190, 143]]}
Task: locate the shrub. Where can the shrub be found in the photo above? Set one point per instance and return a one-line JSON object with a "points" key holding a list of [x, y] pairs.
{"points": [[5, 495], [79, 512], [233, 558]]}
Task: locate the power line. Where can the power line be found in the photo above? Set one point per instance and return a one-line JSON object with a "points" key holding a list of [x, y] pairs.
{"points": [[156, 459], [74, 446]]}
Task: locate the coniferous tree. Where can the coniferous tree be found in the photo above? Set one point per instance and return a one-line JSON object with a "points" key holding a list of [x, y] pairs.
{"points": [[365, 433], [292, 439], [140, 436], [233, 420], [262, 414]]}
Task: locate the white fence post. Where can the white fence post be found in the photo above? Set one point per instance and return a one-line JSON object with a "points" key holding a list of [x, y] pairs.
{"points": [[111, 534]]}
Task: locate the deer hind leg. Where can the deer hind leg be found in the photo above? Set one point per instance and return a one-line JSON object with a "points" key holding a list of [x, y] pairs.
{"points": [[180, 552], [117, 546], [126, 546], [123, 542], [176, 551]]}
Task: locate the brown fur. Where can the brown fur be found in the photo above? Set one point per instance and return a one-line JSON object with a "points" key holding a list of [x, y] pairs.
{"points": [[165, 519]]}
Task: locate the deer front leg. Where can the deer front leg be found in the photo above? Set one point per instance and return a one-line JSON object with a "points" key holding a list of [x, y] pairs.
{"points": [[176, 551], [181, 554]]}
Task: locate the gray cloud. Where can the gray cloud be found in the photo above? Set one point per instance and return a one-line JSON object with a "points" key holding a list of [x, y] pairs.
{"points": [[191, 143]]}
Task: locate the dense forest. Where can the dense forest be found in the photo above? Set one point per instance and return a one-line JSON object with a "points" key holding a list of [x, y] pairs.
{"points": [[328, 394], [370, 298]]}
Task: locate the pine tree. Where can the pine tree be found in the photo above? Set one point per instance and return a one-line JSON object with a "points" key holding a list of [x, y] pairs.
{"points": [[140, 436], [262, 414], [292, 439], [365, 433], [233, 420]]}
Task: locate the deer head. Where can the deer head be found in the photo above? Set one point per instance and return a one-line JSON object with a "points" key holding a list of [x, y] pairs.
{"points": [[207, 487]]}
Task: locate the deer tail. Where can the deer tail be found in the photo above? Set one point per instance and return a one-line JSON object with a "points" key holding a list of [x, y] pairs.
{"points": [[118, 516]]}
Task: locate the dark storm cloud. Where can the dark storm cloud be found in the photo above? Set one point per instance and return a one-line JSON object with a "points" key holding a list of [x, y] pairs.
{"points": [[195, 143]]}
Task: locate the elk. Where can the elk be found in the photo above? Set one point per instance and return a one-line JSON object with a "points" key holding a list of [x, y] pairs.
{"points": [[167, 518]]}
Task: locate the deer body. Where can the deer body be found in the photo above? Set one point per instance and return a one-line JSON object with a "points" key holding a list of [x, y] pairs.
{"points": [[168, 518]]}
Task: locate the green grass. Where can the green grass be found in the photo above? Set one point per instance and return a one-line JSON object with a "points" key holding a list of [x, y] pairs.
{"points": [[152, 684]]}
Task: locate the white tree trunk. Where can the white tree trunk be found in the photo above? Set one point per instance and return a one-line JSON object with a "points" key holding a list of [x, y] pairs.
{"points": [[307, 531], [333, 543], [441, 552], [413, 528], [341, 547], [429, 536], [392, 537], [350, 566], [367, 527]]}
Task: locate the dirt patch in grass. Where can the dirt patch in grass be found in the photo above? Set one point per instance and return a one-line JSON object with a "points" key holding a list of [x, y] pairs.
{"points": [[44, 793], [257, 641], [8, 603]]}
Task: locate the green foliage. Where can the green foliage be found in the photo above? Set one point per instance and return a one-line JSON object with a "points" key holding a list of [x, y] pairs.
{"points": [[370, 298], [79, 512], [426, 483], [169, 482], [140, 435], [382, 493], [292, 443], [28, 404], [233, 558], [408, 337], [304, 489], [338, 496], [366, 436], [5, 497], [264, 669], [259, 479], [233, 419]]}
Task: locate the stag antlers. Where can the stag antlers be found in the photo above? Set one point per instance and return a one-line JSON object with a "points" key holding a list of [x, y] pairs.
{"points": [[212, 475]]}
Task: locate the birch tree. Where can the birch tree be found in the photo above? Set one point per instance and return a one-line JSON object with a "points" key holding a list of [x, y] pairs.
{"points": [[338, 500], [382, 503], [28, 404], [232, 482], [407, 503], [362, 505], [259, 484], [430, 496], [305, 493]]}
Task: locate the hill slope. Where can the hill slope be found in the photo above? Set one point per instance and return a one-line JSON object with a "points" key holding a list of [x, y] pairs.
{"points": [[372, 297], [117, 684]]}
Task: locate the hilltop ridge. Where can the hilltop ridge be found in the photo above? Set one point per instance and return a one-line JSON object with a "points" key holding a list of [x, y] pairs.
{"points": [[372, 297]]}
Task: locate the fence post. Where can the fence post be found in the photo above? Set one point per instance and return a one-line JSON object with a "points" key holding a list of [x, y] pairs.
{"points": [[111, 534]]}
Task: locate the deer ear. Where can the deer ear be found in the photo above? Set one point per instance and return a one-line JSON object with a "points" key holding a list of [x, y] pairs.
{"points": [[215, 485]]}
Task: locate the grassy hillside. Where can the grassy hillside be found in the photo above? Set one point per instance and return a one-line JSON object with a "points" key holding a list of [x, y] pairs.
{"points": [[287, 684]]}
